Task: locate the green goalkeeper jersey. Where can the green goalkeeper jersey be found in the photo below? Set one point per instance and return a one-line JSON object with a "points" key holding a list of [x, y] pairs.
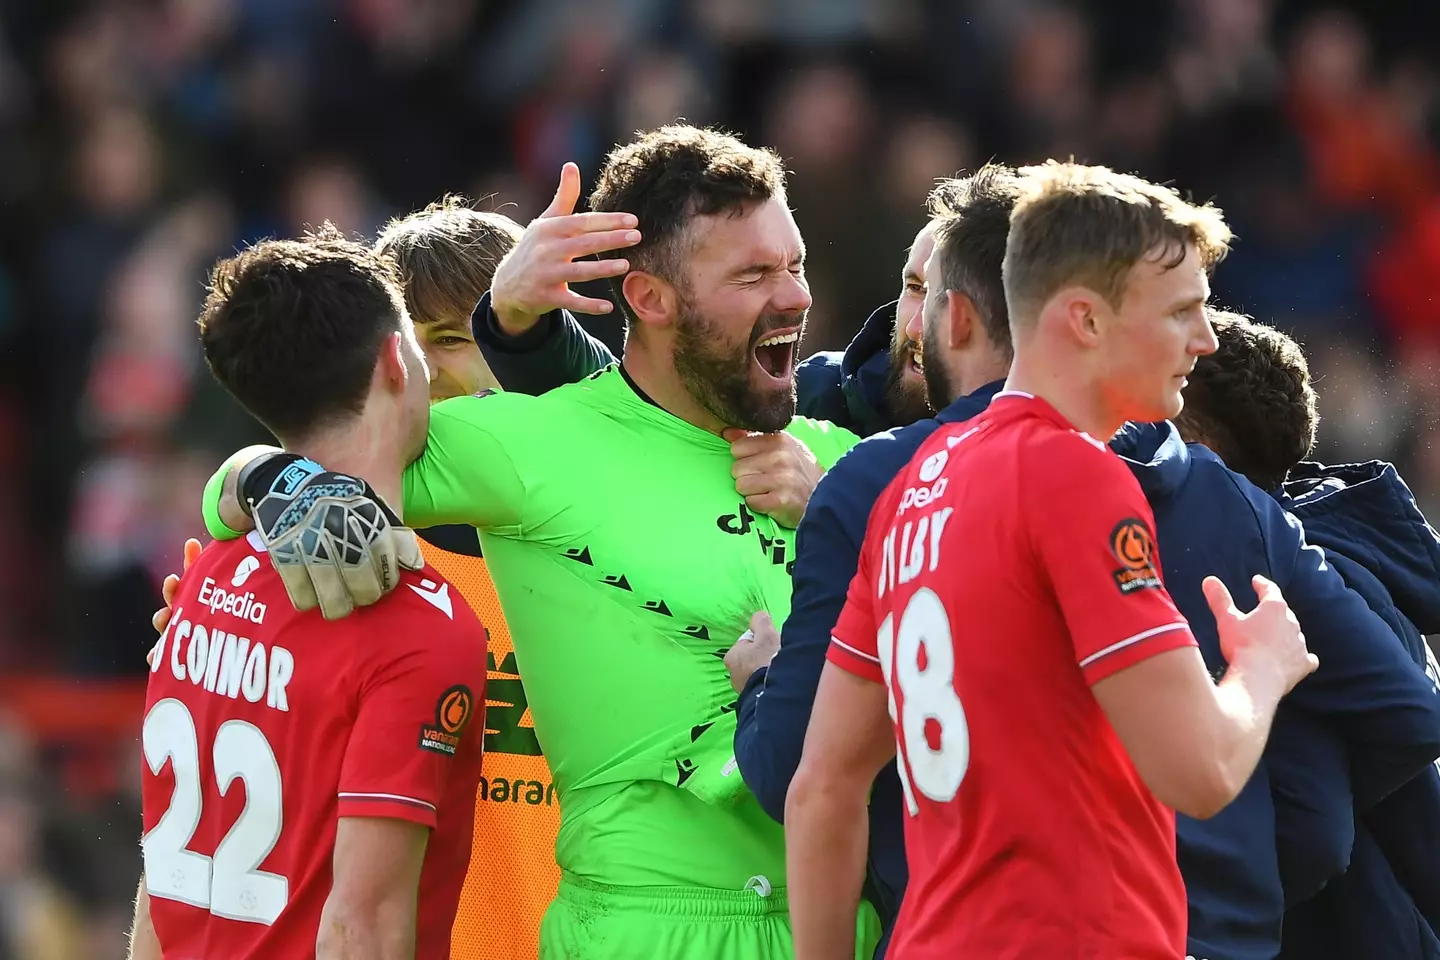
{"points": [[626, 564]]}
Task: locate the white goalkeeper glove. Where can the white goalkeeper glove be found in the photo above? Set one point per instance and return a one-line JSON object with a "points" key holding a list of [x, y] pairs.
{"points": [[330, 536]]}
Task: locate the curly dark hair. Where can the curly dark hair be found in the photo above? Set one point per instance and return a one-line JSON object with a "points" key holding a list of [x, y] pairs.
{"points": [[1251, 401], [666, 177], [292, 328]]}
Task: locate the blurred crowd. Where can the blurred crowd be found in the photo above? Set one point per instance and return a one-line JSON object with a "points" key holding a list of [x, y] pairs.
{"points": [[139, 139]]}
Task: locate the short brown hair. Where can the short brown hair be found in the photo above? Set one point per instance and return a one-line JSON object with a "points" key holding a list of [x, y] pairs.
{"points": [[446, 256], [948, 195], [1089, 226], [1251, 400], [669, 176], [974, 215], [292, 328]]}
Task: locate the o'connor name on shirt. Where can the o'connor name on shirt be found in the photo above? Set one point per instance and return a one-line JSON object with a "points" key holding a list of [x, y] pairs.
{"points": [[221, 662]]}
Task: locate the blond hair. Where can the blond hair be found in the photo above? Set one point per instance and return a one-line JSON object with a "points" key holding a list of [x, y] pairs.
{"points": [[1077, 225]]}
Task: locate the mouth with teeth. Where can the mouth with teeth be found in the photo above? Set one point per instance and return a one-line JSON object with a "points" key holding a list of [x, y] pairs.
{"points": [[917, 359], [775, 354]]}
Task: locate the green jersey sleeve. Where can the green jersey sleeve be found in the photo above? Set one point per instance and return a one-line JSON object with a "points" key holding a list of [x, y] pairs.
{"points": [[826, 440], [467, 472]]}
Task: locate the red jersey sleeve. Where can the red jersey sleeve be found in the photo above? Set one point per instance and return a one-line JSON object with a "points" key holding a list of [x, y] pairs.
{"points": [[422, 697], [853, 641], [1093, 534]]}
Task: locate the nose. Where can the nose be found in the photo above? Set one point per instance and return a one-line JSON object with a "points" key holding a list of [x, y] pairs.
{"points": [[793, 294], [914, 324], [1207, 343]]}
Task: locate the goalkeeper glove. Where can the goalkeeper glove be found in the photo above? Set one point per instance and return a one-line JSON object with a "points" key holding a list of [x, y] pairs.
{"points": [[330, 536]]}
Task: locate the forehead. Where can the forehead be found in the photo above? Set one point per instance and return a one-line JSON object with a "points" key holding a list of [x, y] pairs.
{"points": [[1154, 279], [920, 251], [765, 233]]}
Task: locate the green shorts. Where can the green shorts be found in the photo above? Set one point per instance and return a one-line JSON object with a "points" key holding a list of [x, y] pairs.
{"points": [[590, 921]]}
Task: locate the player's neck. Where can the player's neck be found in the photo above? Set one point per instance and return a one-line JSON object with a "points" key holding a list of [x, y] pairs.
{"points": [[360, 449], [1074, 396], [656, 376]]}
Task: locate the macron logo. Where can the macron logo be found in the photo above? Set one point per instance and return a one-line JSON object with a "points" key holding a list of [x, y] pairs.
{"points": [[438, 596], [242, 573]]}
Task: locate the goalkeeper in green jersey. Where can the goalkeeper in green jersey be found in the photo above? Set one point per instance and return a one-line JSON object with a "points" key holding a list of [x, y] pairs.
{"points": [[630, 545]]}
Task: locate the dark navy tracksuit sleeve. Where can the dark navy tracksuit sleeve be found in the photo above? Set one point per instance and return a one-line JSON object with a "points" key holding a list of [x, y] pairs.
{"points": [[1309, 770], [1379, 702], [554, 352], [775, 706]]}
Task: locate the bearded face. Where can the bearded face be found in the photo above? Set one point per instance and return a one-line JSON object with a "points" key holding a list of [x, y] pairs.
{"points": [[746, 382]]}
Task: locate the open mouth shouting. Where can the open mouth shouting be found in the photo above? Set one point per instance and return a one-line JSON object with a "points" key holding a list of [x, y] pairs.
{"points": [[775, 355], [917, 360]]}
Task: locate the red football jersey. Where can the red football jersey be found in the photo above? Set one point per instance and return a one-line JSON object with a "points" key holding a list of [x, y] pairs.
{"points": [[264, 726], [1009, 566]]}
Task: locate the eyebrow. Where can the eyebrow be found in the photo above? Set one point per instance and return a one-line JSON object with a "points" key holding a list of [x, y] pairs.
{"points": [[458, 326]]}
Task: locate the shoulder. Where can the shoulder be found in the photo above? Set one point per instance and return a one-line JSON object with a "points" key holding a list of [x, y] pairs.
{"points": [[817, 385], [825, 439], [424, 610], [869, 467], [1242, 498], [1063, 453]]}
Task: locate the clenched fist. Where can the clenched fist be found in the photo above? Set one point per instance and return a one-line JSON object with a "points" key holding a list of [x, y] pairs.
{"points": [[775, 473]]}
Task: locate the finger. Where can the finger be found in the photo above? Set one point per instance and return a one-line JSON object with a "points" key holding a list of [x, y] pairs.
{"points": [[161, 619], [577, 304], [768, 503], [578, 271], [771, 462], [168, 587], [754, 484], [407, 549], [592, 243], [1313, 661], [1266, 589], [566, 194], [1218, 596], [732, 434], [581, 224], [753, 445], [761, 621], [192, 552]]}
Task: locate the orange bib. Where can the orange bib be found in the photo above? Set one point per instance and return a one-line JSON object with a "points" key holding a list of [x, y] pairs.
{"points": [[512, 876]]}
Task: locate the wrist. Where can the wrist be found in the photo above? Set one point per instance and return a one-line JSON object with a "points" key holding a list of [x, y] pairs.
{"points": [[512, 321], [1260, 674]]}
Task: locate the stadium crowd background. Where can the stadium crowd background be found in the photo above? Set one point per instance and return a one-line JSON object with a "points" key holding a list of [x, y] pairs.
{"points": [[139, 139]]}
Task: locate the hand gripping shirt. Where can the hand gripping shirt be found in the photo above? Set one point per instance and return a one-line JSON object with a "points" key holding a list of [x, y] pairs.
{"points": [[626, 564]]}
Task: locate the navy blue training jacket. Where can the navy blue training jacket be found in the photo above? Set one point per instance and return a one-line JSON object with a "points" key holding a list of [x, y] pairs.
{"points": [[776, 703], [1383, 710], [847, 388], [1388, 902]]}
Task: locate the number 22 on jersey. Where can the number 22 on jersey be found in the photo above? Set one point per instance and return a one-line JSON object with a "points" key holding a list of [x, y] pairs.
{"points": [[918, 659], [229, 884]]}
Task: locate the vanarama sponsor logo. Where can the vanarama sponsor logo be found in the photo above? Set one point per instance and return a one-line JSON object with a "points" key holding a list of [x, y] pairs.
{"points": [[242, 605], [452, 715], [533, 793]]}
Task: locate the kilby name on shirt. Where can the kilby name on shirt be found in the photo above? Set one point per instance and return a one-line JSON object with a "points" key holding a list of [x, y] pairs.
{"points": [[223, 663], [919, 543], [242, 605]]}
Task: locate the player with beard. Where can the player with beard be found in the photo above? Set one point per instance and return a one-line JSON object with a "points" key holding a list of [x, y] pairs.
{"points": [[623, 556], [875, 384]]}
